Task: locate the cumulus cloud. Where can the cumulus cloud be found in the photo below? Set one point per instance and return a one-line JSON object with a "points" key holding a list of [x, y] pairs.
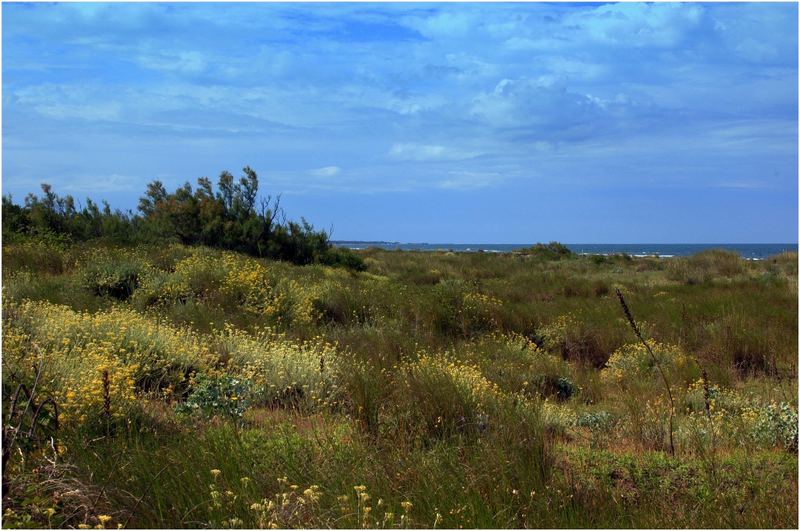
{"points": [[638, 24], [450, 23], [543, 106]]}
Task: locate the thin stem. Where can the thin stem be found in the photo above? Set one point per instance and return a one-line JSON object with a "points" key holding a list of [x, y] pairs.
{"points": [[657, 364]]}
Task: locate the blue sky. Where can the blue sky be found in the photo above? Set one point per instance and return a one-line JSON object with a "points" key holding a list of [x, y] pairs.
{"points": [[502, 123]]}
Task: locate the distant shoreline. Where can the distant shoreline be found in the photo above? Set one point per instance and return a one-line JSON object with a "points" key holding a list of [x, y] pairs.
{"points": [[750, 251]]}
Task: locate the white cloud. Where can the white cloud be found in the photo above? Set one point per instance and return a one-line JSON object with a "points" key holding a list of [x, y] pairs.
{"points": [[101, 183], [661, 24], [544, 104], [185, 62], [426, 152], [65, 102], [740, 185], [469, 180], [326, 171], [535, 44], [450, 23], [480, 87], [104, 111]]}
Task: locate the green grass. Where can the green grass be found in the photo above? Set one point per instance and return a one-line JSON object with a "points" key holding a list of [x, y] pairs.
{"points": [[476, 387]]}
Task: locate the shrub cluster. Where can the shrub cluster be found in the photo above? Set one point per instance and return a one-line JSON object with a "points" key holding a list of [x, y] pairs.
{"points": [[229, 217], [549, 251]]}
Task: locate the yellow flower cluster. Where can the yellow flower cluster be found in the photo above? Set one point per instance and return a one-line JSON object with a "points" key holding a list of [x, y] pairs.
{"points": [[83, 394], [481, 301], [281, 369], [242, 274], [290, 508], [467, 379], [558, 330], [78, 346], [124, 334], [633, 364], [244, 280], [738, 419], [368, 516], [559, 418], [516, 341]]}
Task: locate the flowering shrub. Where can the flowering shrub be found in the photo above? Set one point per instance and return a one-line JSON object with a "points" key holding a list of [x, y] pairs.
{"points": [[632, 365], [160, 355], [464, 310], [232, 279], [774, 425], [449, 397], [557, 419], [282, 372], [159, 287], [739, 420], [115, 274], [83, 391], [518, 365], [140, 353], [193, 276], [479, 310], [574, 340], [71, 371]]}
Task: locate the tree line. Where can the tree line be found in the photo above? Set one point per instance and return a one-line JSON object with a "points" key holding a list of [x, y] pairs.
{"points": [[232, 217]]}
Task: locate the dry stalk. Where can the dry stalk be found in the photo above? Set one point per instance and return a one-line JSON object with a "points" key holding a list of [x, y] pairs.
{"points": [[707, 400], [658, 366], [106, 395]]}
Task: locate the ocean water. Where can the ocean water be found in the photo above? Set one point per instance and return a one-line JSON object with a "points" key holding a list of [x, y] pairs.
{"points": [[751, 251]]}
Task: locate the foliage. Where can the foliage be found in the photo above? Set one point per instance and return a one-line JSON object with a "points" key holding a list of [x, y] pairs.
{"points": [[229, 217], [224, 395], [548, 251], [116, 275], [632, 366], [447, 397]]}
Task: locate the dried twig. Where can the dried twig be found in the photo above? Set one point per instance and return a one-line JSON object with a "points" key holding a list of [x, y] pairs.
{"points": [[658, 365]]}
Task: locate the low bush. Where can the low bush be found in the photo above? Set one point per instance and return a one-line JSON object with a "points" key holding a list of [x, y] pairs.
{"points": [[575, 341], [113, 274], [225, 395], [549, 251], [37, 255], [632, 368], [446, 398]]}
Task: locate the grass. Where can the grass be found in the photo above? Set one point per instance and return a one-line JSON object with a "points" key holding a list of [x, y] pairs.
{"points": [[431, 390]]}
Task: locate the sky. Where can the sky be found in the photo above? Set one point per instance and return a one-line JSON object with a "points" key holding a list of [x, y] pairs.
{"points": [[458, 123]]}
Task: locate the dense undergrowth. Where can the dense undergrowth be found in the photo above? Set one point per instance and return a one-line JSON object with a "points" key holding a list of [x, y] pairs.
{"points": [[199, 387]]}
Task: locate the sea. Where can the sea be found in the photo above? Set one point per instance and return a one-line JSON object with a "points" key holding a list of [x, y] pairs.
{"points": [[750, 251]]}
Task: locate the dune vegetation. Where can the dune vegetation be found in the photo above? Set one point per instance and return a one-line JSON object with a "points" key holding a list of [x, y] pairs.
{"points": [[173, 384]]}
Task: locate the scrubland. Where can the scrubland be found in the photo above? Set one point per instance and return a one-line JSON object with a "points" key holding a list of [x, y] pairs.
{"points": [[175, 386]]}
